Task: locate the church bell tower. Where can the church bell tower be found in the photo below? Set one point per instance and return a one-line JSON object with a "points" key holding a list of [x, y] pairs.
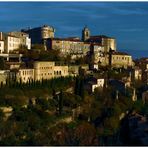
{"points": [[85, 34]]}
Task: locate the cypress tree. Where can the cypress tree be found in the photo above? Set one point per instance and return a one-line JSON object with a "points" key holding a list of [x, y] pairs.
{"points": [[20, 83], [77, 86], [1, 84], [56, 99], [29, 83], [81, 88], [2, 65], [60, 102], [53, 93]]}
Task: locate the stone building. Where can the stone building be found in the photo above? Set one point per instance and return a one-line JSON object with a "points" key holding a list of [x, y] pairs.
{"points": [[102, 40], [11, 42], [107, 42], [25, 75], [100, 53], [39, 35], [120, 59], [48, 70], [98, 46], [113, 58], [69, 46], [97, 50], [25, 41], [43, 70], [60, 71], [95, 83]]}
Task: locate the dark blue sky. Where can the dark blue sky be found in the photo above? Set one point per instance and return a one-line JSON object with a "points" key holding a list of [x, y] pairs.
{"points": [[126, 21]]}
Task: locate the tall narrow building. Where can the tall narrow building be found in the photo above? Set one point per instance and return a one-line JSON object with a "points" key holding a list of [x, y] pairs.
{"points": [[85, 34]]}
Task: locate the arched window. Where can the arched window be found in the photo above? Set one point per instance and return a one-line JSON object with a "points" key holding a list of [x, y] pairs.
{"points": [[87, 34]]}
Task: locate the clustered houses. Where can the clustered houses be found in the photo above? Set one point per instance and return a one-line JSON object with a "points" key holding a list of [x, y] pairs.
{"points": [[100, 49], [80, 48], [25, 41], [10, 42], [97, 47], [42, 70]]}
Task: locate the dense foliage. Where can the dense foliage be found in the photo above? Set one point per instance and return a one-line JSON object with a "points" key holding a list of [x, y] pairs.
{"points": [[60, 112]]}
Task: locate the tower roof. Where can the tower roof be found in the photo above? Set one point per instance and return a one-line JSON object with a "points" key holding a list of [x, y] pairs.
{"points": [[86, 28]]}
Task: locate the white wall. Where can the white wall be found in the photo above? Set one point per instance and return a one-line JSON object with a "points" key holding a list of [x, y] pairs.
{"points": [[100, 82], [12, 43], [28, 43], [43, 70], [60, 71], [1, 46], [25, 75]]}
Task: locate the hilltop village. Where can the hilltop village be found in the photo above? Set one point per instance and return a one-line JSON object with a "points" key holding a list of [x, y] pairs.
{"points": [[70, 91]]}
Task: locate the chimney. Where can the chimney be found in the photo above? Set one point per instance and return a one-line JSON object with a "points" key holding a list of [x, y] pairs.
{"points": [[1, 35]]}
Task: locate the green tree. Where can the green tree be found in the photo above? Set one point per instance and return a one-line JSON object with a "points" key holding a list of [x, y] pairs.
{"points": [[67, 59], [85, 135], [38, 46], [2, 64], [81, 89], [77, 86], [60, 102]]}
